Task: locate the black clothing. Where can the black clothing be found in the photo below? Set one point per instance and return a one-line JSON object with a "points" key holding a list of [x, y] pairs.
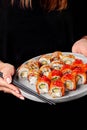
{"points": [[26, 33], [29, 33]]}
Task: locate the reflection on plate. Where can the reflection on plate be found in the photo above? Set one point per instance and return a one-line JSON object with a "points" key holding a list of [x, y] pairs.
{"points": [[69, 95]]}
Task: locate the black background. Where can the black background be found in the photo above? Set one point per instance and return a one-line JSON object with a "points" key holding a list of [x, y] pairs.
{"points": [[15, 113]]}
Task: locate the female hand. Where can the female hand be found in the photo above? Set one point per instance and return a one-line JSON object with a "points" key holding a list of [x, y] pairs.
{"points": [[8, 71], [80, 46]]}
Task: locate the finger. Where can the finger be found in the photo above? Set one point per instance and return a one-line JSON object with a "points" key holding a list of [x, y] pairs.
{"points": [[80, 47], [8, 69], [75, 48], [8, 79], [7, 90], [83, 50], [10, 86]]}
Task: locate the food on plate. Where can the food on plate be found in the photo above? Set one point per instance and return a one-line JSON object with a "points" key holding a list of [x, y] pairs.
{"points": [[23, 71], [56, 64], [80, 75], [33, 77], [66, 69], [69, 81], [45, 70], [54, 73], [56, 55], [85, 67], [57, 89], [77, 63], [68, 59], [43, 84], [44, 59], [33, 65]]}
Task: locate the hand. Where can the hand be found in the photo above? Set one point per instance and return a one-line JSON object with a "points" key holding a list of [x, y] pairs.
{"points": [[8, 71], [80, 46]]}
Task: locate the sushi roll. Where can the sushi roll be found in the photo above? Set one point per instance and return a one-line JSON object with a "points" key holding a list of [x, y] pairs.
{"points": [[57, 89], [33, 77], [43, 84], [77, 63], [66, 69], [85, 67], [33, 65], [23, 71], [55, 75], [68, 59], [45, 59], [57, 65], [45, 70], [80, 75], [69, 81], [56, 55]]}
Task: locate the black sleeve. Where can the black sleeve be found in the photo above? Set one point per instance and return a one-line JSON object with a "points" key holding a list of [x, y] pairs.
{"points": [[79, 13], [3, 28]]}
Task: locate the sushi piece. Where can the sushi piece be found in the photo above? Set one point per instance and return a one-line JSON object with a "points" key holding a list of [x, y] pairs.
{"points": [[56, 55], [68, 59], [85, 67], [33, 77], [23, 71], [43, 84], [58, 64], [57, 89], [80, 75], [69, 81], [77, 63], [45, 59], [45, 70], [66, 69], [33, 65], [55, 74]]}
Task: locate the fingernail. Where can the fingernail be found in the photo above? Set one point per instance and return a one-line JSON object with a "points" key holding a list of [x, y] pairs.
{"points": [[17, 91], [8, 80], [22, 98]]}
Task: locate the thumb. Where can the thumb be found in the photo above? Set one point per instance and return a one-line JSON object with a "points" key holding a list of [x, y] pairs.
{"points": [[75, 48], [7, 76], [8, 79]]}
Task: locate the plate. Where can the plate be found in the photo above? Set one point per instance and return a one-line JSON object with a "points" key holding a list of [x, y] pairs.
{"points": [[69, 95]]}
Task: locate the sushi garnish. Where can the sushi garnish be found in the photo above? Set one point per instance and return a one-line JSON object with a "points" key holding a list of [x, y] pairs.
{"points": [[55, 74]]}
